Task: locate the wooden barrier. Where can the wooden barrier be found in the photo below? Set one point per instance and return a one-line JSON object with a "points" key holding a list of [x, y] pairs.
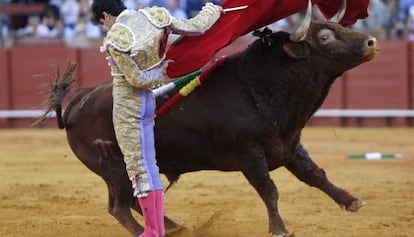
{"points": [[29, 67], [22, 9], [380, 84], [410, 59], [93, 68], [384, 83], [4, 84]]}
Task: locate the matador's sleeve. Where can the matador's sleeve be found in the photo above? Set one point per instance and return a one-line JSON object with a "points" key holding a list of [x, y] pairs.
{"points": [[132, 73], [208, 15]]}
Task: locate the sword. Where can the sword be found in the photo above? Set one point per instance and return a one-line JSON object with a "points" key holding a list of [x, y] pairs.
{"points": [[235, 8]]}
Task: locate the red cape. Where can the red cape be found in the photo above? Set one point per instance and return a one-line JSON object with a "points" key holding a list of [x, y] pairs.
{"points": [[193, 52]]}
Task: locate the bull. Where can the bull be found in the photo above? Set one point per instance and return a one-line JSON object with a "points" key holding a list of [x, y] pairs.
{"points": [[247, 116]]}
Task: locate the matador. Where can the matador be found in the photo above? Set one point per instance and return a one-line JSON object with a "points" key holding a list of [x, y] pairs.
{"points": [[135, 46]]}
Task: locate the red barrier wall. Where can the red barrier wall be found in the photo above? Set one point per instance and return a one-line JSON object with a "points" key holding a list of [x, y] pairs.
{"points": [[410, 121], [93, 68], [4, 84], [384, 83], [28, 69], [381, 83], [411, 74]]}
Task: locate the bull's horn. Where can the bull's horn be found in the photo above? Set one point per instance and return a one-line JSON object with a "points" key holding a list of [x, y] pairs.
{"points": [[340, 14], [300, 32]]}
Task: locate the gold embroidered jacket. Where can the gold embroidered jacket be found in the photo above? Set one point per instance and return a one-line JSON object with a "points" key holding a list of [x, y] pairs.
{"points": [[135, 47], [136, 42]]}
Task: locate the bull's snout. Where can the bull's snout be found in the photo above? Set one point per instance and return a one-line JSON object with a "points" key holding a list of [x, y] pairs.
{"points": [[372, 42], [370, 48]]}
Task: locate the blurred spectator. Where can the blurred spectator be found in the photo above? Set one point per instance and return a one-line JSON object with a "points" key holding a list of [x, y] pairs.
{"points": [[388, 19], [143, 3], [403, 9], [48, 25], [70, 11], [131, 4], [84, 7], [160, 3], [30, 30], [4, 22], [374, 23], [392, 24], [173, 6], [193, 7], [86, 28], [57, 3], [51, 25], [410, 24]]}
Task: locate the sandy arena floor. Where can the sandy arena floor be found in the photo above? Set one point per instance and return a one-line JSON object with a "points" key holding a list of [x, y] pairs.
{"points": [[45, 191]]}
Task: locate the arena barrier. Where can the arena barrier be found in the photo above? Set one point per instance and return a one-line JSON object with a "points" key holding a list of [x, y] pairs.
{"points": [[336, 113], [18, 114], [377, 93]]}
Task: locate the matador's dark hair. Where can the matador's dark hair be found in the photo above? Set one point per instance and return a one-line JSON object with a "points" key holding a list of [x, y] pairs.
{"points": [[113, 7]]}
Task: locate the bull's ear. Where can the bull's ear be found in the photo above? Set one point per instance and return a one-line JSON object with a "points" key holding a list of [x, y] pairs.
{"points": [[296, 50]]}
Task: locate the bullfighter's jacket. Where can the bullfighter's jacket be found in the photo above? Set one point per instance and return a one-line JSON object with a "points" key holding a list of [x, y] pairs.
{"points": [[135, 49]]}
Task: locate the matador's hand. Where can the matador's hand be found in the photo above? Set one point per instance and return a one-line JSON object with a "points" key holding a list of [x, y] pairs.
{"points": [[163, 68]]}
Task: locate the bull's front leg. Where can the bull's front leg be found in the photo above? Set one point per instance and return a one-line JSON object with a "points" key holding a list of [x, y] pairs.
{"points": [[308, 172], [119, 205], [108, 163], [256, 171]]}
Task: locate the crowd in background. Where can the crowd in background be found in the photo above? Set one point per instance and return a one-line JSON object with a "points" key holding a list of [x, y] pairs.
{"points": [[388, 19], [71, 18]]}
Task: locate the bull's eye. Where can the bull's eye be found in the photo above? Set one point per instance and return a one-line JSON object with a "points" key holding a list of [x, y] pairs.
{"points": [[325, 36]]}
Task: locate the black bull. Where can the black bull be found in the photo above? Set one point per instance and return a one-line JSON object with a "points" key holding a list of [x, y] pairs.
{"points": [[247, 116]]}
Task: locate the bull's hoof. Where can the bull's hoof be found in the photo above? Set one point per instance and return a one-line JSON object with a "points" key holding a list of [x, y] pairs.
{"points": [[355, 205]]}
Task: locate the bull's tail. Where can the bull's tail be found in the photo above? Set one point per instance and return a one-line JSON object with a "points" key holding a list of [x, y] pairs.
{"points": [[58, 89]]}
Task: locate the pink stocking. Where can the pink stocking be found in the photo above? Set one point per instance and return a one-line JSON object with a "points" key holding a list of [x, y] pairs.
{"points": [[159, 206], [148, 207]]}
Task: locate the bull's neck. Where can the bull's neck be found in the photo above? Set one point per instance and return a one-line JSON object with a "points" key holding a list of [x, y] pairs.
{"points": [[307, 98], [292, 101]]}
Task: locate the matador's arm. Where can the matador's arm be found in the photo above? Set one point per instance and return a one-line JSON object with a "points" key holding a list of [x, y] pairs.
{"points": [[200, 23], [132, 73]]}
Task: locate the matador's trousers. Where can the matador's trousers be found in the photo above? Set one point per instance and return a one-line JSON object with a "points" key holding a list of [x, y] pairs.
{"points": [[133, 118]]}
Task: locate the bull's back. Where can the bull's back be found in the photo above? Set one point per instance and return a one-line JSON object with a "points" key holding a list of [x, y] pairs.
{"points": [[89, 121], [89, 105], [88, 115]]}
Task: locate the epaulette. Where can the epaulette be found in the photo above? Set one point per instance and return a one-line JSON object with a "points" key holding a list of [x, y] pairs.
{"points": [[158, 16], [120, 37]]}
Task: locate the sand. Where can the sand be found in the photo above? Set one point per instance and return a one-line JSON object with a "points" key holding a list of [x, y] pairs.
{"points": [[45, 191]]}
